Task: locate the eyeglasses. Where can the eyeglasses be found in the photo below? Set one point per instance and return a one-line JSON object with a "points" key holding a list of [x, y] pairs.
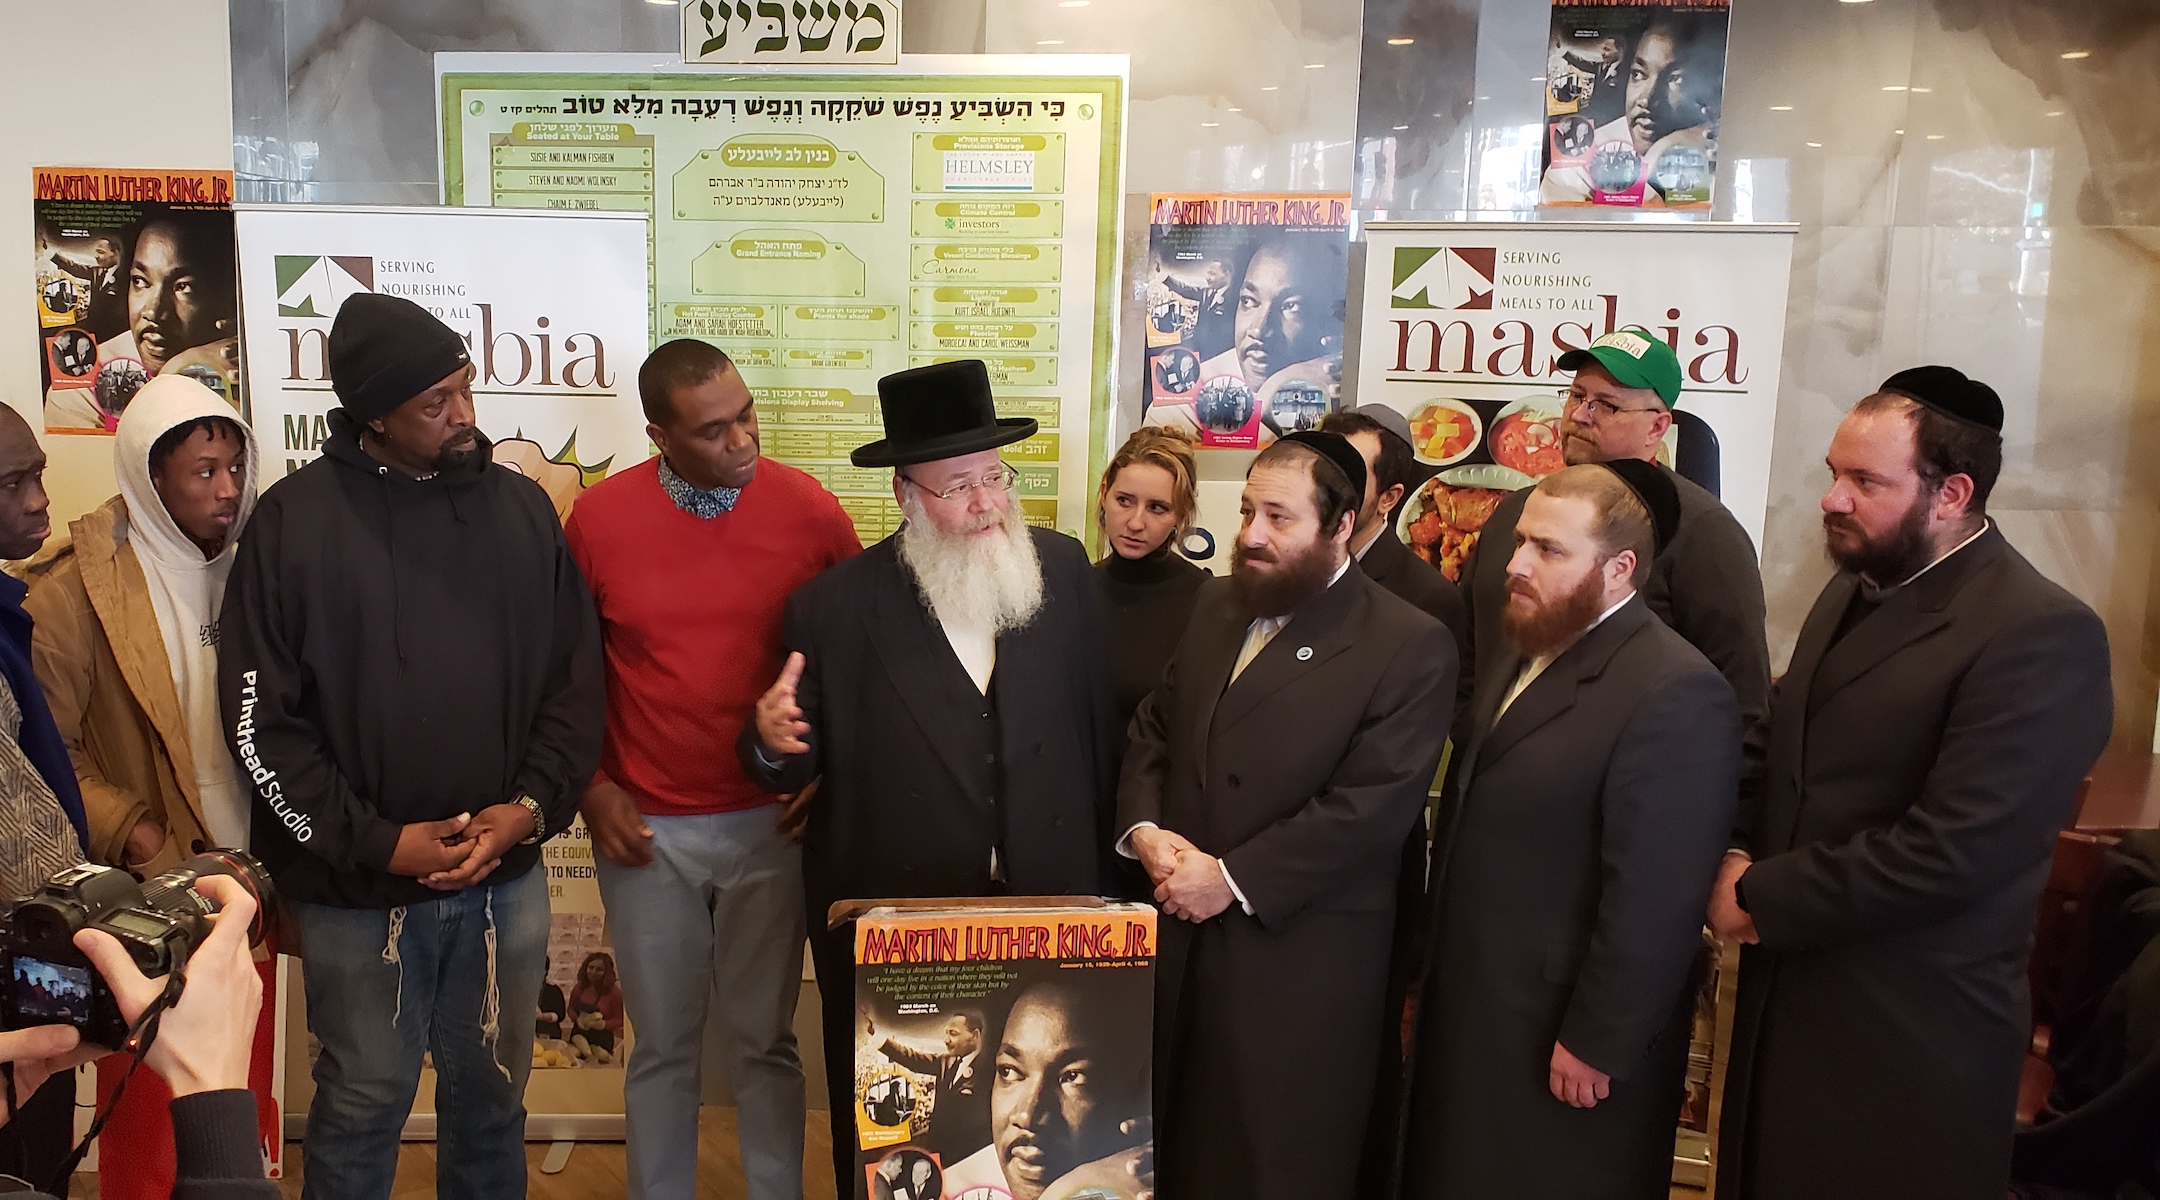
{"points": [[1000, 480], [1570, 399]]}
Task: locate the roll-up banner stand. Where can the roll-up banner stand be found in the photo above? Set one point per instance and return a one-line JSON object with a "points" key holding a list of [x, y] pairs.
{"points": [[553, 306], [1461, 326]]}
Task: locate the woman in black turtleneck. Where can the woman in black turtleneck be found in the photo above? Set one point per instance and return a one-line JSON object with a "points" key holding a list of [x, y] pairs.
{"points": [[1146, 505]]}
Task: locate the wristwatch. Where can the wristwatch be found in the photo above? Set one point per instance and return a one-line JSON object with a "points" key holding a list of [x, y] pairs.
{"points": [[539, 818]]}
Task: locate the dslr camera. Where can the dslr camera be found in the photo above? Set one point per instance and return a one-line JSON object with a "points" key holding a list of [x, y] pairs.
{"points": [[49, 982]]}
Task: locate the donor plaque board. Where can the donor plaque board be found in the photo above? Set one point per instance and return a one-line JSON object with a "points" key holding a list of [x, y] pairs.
{"points": [[827, 226], [1004, 1051]]}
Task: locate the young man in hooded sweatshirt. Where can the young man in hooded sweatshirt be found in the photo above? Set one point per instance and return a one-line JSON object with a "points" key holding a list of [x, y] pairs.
{"points": [[411, 678], [126, 613]]}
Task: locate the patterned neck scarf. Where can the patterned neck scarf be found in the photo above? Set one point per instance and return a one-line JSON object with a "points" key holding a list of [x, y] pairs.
{"points": [[704, 505]]}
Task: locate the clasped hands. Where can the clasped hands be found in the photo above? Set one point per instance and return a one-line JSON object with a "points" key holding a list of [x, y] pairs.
{"points": [[1189, 882], [1727, 919]]}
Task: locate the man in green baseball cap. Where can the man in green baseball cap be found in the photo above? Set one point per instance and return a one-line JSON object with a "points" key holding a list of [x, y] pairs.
{"points": [[1620, 405], [1704, 583]]}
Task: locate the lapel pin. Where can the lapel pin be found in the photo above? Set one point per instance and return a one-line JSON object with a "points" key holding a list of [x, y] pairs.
{"points": [[1304, 653]]}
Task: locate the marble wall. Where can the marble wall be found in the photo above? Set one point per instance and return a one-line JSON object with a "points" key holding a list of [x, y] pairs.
{"points": [[1974, 182]]}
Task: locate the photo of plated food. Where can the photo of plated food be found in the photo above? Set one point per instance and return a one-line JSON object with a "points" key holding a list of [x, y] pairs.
{"points": [[1526, 437], [1441, 520], [1444, 432]]}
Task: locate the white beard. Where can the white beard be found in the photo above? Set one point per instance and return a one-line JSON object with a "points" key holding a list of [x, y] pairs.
{"points": [[992, 583]]}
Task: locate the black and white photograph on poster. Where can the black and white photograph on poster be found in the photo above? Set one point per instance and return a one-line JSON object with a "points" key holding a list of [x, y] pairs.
{"points": [[1245, 303], [1633, 98], [135, 277]]}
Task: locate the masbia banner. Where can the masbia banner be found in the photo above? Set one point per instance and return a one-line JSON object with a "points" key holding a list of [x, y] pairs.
{"points": [[552, 307], [1463, 325]]}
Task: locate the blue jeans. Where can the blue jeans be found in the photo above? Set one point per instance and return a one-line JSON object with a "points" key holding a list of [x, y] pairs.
{"points": [[455, 977], [718, 912]]}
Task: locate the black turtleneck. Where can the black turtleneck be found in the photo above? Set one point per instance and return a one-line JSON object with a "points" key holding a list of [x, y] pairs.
{"points": [[1148, 602]]}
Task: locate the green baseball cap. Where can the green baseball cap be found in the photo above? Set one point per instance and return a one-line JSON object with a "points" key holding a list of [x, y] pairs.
{"points": [[1633, 357]]}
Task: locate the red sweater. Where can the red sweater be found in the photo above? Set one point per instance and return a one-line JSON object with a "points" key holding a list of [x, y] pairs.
{"points": [[690, 616]]}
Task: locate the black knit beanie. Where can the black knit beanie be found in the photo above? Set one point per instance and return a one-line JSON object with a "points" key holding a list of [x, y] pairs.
{"points": [[384, 350]]}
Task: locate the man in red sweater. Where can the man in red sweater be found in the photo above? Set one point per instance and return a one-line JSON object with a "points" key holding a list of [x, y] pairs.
{"points": [[691, 557]]}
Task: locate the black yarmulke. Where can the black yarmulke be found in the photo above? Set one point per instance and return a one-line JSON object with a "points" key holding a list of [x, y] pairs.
{"points": [[1655, 489], [1950, 392], [1337, 449], [384, 350]]}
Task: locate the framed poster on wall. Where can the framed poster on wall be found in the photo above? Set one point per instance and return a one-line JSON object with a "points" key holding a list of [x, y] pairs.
{"points": [[827, 226]]}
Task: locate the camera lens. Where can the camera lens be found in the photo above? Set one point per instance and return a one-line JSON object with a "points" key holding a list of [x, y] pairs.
{"points": [[174, 892]]}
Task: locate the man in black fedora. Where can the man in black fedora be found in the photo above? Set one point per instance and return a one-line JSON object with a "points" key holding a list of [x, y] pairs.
{"points": [[950, 688]]}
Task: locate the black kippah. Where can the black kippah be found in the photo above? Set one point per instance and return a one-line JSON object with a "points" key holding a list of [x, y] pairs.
{"points": [[1655, 489], [1337, 449], [1948, 391]]}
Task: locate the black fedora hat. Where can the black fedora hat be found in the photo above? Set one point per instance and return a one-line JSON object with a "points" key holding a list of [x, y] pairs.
{"points": [[943, 410]]}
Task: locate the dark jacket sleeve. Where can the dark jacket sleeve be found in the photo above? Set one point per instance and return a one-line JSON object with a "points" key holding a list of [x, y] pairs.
{"points": [[791, 773], [1097, 694], [1665, 814], [2031, 715], [1716, 596], [1374, 797], [563, 748], [214, 1136], [1147, 757], [266, 694]]}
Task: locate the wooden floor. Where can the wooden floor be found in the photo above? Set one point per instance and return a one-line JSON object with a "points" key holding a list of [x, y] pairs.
{"points": [[595, 1169]]}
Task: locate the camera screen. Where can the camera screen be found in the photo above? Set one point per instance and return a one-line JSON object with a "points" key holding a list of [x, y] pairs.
{"points": [[51, 992]]}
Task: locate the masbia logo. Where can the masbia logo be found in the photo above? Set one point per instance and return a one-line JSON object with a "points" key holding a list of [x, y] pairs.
{"points": [[1455, 277], [314, 285], [1516, 349], [526, 359]]}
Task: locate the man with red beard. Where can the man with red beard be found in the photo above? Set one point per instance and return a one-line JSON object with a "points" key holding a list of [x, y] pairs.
{"points": [[1268, 787], [1926, 746], [950, 687], [1596, 796]]}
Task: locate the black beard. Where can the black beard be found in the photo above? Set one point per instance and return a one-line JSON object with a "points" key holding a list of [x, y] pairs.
{"points": [[1892, 558], [453, 456], [1291, 584], [1554, 623]]}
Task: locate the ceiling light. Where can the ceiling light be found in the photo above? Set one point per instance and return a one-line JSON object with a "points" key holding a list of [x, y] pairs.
{"points": [[1818, 145], [1314, 66], [1401, 41], [1893, 87], [1210, 124], [1072, 3], [1237, 110], [1257, 172], [1936, 137], [2055, 112], [1899, 132], [1400, 128], [2073, 54], [1921, 89], [1271, 87], [1781, 108], [1852, 1], [1051, 42]]}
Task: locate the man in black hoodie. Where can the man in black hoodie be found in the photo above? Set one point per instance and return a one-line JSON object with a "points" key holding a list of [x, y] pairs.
{"points": [[411, 672]]}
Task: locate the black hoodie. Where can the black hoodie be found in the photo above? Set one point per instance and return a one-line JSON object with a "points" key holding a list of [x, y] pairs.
{"points": [[397, 650]]}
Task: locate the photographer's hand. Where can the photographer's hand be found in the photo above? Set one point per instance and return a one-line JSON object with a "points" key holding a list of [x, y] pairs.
{"points": [[39, 1053], [205, 1040]]}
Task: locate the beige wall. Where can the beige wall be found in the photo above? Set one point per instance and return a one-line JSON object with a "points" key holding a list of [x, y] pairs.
{"points": [[101, 109]]}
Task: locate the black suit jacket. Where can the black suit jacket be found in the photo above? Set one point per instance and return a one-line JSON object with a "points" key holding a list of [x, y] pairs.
{"points": [[1569, 889], [888, 702], [1919, 771], [1706, 585], [1302, 776], [1394, 567]]}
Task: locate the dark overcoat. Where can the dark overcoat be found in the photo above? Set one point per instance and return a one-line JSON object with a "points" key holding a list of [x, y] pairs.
{"points": [[1569, 889], [923, 776], [1919, 770], [1303, 776]]}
